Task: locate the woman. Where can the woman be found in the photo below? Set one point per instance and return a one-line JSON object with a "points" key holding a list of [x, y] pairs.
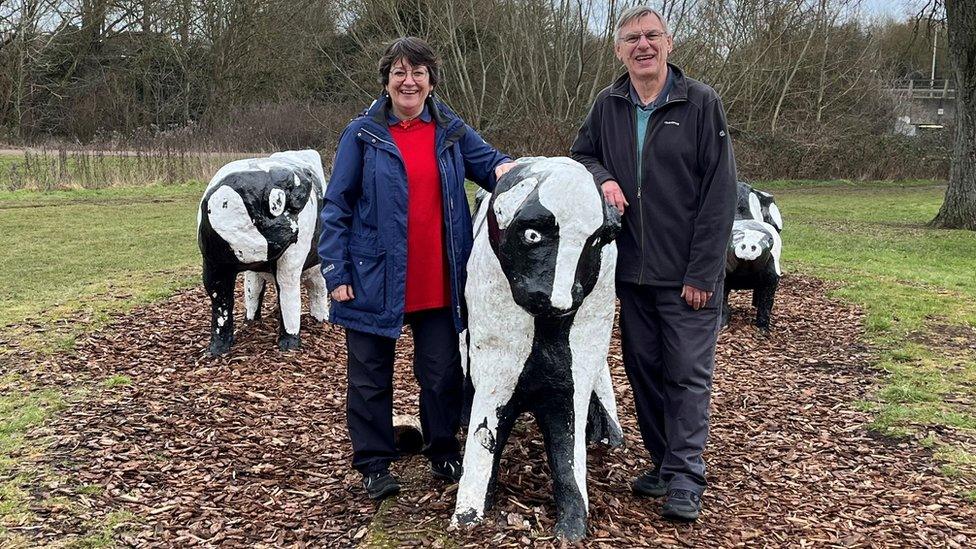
{"points": [[396, 234]]}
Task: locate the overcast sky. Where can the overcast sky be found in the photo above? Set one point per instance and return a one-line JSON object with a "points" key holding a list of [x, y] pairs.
{"points": [[898, 9]]}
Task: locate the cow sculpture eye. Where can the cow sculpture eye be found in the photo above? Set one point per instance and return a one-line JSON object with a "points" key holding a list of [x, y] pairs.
{"points": [[532, 236]]}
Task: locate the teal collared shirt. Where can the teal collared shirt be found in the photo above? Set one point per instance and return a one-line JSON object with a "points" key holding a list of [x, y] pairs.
{"points": [[644, 112]]}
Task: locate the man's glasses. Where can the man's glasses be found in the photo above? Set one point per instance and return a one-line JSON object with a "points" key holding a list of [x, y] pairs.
{"points": [[399, 75], [634, 38]]}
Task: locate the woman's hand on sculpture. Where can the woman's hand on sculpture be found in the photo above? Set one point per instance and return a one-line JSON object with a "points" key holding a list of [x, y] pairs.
{"points": [[343, 293], [503, 169]]}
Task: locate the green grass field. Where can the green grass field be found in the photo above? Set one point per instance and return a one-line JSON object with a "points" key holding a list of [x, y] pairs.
{"points": [[917, 286], [74, 257], [79, 255]]}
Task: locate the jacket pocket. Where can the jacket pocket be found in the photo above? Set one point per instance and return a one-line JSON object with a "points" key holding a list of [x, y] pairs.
{"points": [[368, 279]]}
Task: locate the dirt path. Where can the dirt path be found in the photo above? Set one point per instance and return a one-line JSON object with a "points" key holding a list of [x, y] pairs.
{"points": [[252, 450]]}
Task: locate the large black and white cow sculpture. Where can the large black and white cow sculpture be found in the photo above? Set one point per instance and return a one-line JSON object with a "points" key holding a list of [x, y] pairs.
{"points": [[540, 293], [260, 215], [752, 261]]}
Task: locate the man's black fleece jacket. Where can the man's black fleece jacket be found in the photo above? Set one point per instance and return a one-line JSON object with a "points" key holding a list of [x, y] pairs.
{"points": [[682, 200]]}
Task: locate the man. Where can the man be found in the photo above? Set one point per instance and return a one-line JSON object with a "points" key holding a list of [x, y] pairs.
{"points": [[657, 143]]}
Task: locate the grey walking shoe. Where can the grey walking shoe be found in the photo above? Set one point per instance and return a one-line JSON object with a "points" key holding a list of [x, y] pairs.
{"points": [[681, 505], [649, 484]]}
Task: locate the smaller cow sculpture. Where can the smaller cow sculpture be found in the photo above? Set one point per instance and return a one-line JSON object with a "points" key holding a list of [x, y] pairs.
{"points": [[541, 302], [752, 261], [260, 215]]}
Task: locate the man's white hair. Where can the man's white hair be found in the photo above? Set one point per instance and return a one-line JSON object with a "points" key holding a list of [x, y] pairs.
{"points": [[636, 12]]}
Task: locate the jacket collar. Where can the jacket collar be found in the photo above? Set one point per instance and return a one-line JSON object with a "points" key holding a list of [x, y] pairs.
{"points": [[679, 86], [379, 111]]}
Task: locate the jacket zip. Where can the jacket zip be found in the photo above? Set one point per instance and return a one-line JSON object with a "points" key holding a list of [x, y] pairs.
{"points": [[450, 205], [450, 220], [640, 172]]}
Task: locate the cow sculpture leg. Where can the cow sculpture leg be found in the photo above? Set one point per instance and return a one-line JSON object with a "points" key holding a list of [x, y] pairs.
{"points": [[726, 308], [219, 284], [488, 431], [562, 443], [254, 287], [318, 294], [289, 308], [763, 297]]}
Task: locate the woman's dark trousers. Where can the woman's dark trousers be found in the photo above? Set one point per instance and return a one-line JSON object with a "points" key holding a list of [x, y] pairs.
{"points": [[369, 398]]}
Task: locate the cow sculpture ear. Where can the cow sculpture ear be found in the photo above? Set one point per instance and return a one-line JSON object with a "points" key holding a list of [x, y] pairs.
{"points": [[299, 185], [507, 204]]}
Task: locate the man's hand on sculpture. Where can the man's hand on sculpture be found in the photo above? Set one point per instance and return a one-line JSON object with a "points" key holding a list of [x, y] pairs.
{"points": [[343, 293], [613, 195], [695, 298], [503, 168]]}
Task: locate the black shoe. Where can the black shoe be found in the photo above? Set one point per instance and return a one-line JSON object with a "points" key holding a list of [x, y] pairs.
{"points": [[449, 470], [682, 505], [380, 485], [649, 484]]}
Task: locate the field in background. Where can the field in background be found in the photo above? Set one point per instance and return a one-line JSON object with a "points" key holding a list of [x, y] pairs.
{"points": [[76, 256], [80, 168]]}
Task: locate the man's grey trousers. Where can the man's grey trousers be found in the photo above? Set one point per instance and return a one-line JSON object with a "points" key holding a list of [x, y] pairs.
{"points": [[669, 356]]}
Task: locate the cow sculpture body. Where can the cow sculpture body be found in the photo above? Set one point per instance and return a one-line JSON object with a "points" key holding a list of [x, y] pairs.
{"points": [[260, 215], [753, 258], [540, 294]]}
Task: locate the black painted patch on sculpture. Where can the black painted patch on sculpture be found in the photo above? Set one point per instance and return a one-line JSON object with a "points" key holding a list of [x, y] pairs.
{"points": [[484, 436], [599, 426], [527, 251]]}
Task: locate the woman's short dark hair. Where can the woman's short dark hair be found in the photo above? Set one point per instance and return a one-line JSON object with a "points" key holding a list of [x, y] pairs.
{"points": [[413, 50]]}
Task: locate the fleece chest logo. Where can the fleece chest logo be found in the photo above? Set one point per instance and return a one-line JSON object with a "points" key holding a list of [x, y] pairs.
{"points": [[672, 123], [721, 133]]}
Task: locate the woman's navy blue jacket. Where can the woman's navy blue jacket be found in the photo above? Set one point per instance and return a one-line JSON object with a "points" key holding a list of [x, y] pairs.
{"points": [[364, 216]]}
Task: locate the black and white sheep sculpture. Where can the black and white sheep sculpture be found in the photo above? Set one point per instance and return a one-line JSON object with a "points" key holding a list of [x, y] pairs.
{"points": [[540, 294], [261, 216], [753, 258]]}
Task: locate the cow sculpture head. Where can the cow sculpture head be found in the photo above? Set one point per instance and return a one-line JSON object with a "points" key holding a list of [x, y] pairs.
{"points": [[548, 224], [257, 209]]}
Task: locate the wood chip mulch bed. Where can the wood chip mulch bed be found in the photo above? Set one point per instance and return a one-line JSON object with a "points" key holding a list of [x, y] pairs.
{"points": [[252, 450]]}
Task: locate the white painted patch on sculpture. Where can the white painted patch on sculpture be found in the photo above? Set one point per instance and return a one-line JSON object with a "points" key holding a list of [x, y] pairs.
{"points": [[747, 237], [589, 342], [748, 244], [276, 202], [777, 250], [500, 334], [228, 216], [575, 203]]}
